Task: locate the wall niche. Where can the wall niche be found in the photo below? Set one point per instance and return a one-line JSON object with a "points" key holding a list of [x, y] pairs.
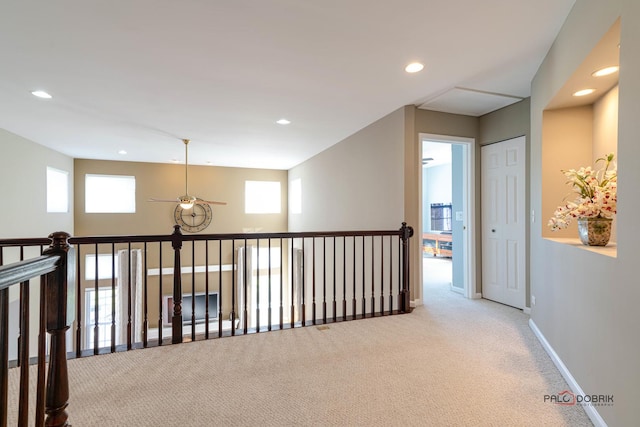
{"points": [[577, 130]]}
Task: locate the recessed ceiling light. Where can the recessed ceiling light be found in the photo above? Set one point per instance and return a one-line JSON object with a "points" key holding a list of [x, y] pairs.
{"points": [[123, 152], [283, 122], [606, 71], [41, 94], [414, 67], [584, 92]]}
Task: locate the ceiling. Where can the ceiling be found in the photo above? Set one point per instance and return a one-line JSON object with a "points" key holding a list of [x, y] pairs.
{"points": [[141, 75]]}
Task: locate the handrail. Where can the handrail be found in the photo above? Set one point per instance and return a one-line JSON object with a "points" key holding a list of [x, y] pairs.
{"points": [[22, 271]]}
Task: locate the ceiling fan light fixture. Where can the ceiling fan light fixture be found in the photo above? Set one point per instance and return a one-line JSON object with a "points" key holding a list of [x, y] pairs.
{"points": [[186, 202]]}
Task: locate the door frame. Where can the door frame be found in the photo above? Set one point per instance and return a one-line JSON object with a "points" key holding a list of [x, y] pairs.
{"points": [[470, 214]]}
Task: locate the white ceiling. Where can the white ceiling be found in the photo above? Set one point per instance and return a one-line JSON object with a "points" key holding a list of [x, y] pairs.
{"points": [[142, 74]]}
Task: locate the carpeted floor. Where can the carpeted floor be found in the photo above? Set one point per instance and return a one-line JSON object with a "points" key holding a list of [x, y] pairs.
{"points": [[452, 362]]}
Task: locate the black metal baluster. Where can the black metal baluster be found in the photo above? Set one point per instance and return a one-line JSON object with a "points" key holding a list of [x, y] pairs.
{"points": [[233, 287], [293, 307], [281, 286], [79, 299], [344, 277], [96, 295], [4, 351], [335, 307], [258, 285], [269, 286], [206, 290], [23, 352], [113, 298], [390, 274], [324, 280], [145, 301], [382, 275], [373, 276], [244, 284], [42, 344], [364, 287], [220, 306], [313, 279], [302, 286], [129, 297], [399, 274], [160, 296], [353, 301], [193, 290]]}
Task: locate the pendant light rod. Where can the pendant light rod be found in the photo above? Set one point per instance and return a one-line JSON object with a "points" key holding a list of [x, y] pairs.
{"points": [[186, 165]]}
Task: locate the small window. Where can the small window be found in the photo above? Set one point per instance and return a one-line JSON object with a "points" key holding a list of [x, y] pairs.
{"points": [[106, 264], [295, 201], [57, 190], [262, 197], [110, 194]]}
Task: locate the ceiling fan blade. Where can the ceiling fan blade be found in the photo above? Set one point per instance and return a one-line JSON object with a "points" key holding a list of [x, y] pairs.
{"points": [[210, 202], [164, 200]]}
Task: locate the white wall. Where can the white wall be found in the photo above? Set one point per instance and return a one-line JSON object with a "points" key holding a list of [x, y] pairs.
{"points": [[23, 178], [23, 174], [356, 184], [586, 303]]}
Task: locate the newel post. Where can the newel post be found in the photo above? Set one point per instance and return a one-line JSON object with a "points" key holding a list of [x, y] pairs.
{"points": [[406, 232], [60, 304], [176, 320]]}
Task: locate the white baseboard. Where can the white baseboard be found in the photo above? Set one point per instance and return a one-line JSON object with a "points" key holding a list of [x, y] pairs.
{"points": [[526, 310], [414, 303], [455, 289], [477, 295], [595, 417]]}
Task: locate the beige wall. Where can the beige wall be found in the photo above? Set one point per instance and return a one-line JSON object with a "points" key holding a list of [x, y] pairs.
{"points": [[356, 184], [586, 302], [165, 181], [506, 123], [567, 138]]}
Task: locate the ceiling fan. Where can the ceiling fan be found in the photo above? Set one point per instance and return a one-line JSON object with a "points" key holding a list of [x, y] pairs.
{"points": [[186, 201]]}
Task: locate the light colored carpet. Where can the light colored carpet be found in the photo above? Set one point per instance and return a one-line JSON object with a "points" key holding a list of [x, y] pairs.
{"points": [[452, 362]]}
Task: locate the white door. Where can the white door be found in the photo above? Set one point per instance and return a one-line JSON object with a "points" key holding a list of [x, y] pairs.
{"points": [[503, 222]]}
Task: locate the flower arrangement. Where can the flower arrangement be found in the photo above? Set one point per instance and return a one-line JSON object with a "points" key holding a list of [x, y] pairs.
{"points": [[597, 194]]}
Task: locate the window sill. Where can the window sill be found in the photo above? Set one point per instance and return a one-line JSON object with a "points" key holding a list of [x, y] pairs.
{"points": [[611, 250]]}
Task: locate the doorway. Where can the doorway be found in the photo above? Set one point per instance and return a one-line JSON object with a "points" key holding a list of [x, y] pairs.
{"points": [[447, 209]]}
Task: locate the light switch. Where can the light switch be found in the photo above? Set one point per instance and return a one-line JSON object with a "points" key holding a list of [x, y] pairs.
{"points": [[459, 216]]}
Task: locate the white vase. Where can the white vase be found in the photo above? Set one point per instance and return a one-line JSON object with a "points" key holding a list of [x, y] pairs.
{"points": [[594, 231]]}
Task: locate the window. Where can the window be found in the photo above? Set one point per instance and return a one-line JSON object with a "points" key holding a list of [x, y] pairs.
{"points": [[57, 190], [106, 263], [295, 200], [105, 311], [262, 197], [110, 194]]}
